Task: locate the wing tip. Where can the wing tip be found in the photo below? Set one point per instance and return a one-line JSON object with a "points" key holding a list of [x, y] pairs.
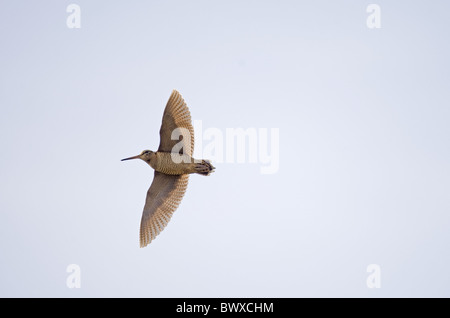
{"points": [[175, 92], [144, 239]]}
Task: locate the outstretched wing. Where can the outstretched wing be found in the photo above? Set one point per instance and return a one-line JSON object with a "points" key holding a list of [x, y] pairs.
{"points": [[163, 198], [176, 115]]}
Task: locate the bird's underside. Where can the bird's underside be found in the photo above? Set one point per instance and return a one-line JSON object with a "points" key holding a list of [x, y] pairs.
{"points": [[169, 182]]}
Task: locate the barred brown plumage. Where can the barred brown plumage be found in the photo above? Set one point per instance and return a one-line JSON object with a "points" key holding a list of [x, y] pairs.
{"points": [[166, 164], [171, 176]]}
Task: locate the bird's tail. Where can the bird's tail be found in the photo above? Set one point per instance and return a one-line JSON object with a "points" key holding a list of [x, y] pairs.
{"points": [[204, 168]]}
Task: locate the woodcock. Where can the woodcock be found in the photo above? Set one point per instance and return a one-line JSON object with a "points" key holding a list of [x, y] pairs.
{"points": [[173, 162]]}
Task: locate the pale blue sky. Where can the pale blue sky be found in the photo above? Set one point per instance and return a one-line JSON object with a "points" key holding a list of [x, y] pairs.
{"points": [[364, 129]]}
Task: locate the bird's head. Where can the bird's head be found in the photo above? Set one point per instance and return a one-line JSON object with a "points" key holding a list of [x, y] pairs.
{"points": [[144, 155]]}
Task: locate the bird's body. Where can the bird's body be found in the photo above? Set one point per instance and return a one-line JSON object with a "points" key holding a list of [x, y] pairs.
{"points": [[173, 162], [164, 162]]}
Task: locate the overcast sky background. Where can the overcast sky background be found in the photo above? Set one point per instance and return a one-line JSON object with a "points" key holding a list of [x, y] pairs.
{"points": [[363, 116]]}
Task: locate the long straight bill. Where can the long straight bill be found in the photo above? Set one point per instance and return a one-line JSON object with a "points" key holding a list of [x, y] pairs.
{"points": [[134, 157]]}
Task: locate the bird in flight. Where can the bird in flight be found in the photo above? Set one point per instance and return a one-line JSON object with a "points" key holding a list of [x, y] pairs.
{"points": [[173, 162]]}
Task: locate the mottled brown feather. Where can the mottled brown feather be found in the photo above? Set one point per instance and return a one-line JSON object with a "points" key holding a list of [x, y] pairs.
{"points": [[163, 198], [176, 115]]}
